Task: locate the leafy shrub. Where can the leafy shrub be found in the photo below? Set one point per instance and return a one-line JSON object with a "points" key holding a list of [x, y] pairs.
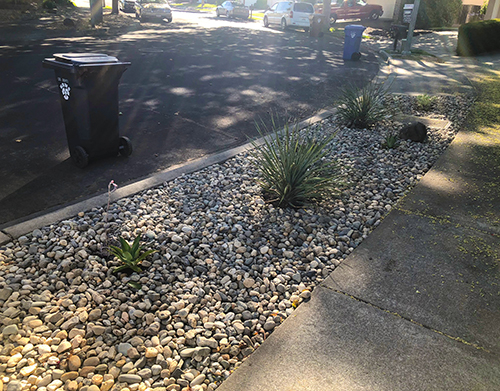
{"points": [[479, 38], [294, 170], [260, 5], [67, 3], [437, 13], [363, 107], [484, 8], [48, 4], [426, 102], [130, 256]]}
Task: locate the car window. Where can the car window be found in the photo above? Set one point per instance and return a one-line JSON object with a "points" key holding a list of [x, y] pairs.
{"points": [[274, 7], [350, 3], [360, 2], [285, 6], [303, 7]]}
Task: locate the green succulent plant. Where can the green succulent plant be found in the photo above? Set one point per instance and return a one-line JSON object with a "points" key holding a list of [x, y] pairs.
{"points": [[363, 107], [130, 256], [295, 170], [426, 102], [391, 140]]}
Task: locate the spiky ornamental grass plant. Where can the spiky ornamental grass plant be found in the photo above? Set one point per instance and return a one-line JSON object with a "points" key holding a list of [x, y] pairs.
{"points": [[294, 171], [426, 102], [363, 107]]}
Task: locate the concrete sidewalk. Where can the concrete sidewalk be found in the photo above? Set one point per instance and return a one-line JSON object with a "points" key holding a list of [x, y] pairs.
{"points": [[417, 305]]}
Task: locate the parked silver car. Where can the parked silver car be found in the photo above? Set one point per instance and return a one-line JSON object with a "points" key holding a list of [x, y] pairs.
{"points": [[153, 9], [289, 14], [232, 9]]}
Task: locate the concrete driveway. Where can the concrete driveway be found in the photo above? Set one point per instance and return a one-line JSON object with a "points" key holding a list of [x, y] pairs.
{"points": [[196, 86]]}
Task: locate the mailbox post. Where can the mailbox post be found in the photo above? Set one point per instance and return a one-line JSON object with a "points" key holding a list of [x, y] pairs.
{"points": [[412, 16]]}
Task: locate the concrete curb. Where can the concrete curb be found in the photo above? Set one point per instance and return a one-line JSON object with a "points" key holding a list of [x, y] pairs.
{"points": [[12, 231]]}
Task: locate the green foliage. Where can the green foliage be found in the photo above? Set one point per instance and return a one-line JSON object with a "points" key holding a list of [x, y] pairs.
{"points": [[66, 3], [363, 107], [260, 5], [48, 4], [391, 140], [52, 4], [484, 8], [426, 102], [130, 256], [294, 170], [479, 38], [437, 13]]}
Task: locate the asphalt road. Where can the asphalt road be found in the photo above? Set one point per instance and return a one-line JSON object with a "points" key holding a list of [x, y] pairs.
{"points": [[195, 86]]}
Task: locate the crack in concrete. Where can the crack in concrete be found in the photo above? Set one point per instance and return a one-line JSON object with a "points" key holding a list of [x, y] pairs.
{"points": [[457, 339]]}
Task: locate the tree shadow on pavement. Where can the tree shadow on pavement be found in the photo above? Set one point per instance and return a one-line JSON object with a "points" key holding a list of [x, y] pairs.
{"points": [[189, 92]]}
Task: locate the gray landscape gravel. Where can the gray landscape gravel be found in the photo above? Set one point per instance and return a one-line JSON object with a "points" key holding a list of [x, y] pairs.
{"points": [[228, 268]]}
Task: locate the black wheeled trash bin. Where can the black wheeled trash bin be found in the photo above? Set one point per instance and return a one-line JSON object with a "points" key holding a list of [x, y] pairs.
{"points": [[88, 87], [316, 21]]}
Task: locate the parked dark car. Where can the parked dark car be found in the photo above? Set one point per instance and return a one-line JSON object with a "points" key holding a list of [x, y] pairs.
{"points": [[127, 5], [153, 9], [352, 9], [232, 9]]}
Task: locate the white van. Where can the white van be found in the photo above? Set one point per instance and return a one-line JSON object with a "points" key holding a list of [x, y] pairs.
{"points": [[289, 14]]}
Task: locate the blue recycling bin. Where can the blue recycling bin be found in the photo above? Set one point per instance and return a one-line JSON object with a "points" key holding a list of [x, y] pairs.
{"points": [[352, 41]]}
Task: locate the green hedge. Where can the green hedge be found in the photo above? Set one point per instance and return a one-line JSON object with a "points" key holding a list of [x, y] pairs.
{"points": [[479, 38], [436, 13]]}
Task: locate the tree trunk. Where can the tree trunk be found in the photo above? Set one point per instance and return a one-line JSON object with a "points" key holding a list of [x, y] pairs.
{"points": [[95, 12], [326, 13], [114, 9]]}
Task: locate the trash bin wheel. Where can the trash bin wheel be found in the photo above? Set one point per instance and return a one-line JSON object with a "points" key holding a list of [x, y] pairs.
{"points": [[125, 146], [356, 56], [80, 157]]}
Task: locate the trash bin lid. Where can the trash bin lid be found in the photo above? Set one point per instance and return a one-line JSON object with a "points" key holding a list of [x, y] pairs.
{"points": [[84, 58], [355, 27]]}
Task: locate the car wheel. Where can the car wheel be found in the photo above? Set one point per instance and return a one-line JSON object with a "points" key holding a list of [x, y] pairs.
{"points": [[227, 14], [374, 15], [266, 21], [306, 29], [333, 19], [169, 20], [283, 24], [137, 15], [217, 12]]}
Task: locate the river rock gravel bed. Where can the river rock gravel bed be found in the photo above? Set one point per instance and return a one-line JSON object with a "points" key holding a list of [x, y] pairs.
{"points": [[228, 268]]}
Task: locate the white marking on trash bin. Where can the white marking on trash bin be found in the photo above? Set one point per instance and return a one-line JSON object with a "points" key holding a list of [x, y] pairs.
{"points": [[65, 90]]}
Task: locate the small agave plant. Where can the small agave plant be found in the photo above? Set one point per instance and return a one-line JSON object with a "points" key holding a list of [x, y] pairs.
{"points": [[391, 140], [130, 256]]}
